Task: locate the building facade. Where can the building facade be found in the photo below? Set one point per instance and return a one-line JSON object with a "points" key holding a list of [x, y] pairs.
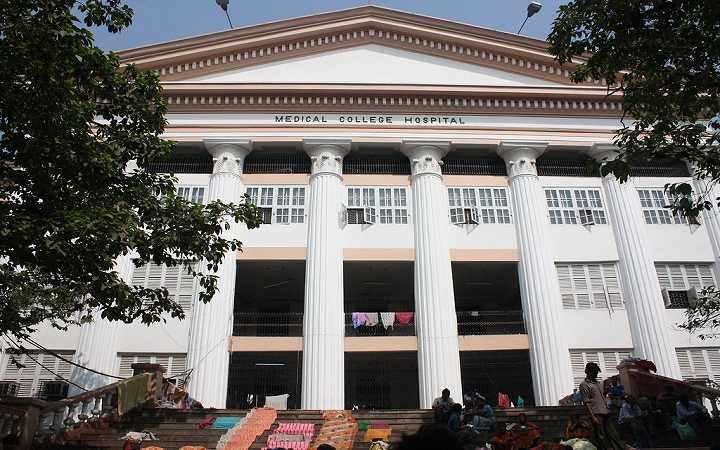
{"points": [[430, 221]]}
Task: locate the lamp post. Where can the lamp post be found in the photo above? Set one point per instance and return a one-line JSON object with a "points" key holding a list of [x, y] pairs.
{"points": [[224, 5], [532, 9]]}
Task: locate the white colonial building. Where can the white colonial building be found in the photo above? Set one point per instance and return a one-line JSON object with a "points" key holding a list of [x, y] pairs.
{"points": [[430, 222]]}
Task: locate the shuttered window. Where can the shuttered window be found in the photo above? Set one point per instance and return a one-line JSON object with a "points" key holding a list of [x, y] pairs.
{"points": [[174, 363], [279, 204], [586, 286], [656, 208], [608, 361], [179, 283], [699, 363], [684, 276], [32, 376]]}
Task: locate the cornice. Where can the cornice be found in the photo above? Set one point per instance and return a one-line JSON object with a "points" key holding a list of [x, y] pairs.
{"points": [[275, 98], [480, 47]]}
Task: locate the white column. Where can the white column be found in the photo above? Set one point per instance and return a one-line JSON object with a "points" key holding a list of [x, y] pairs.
{"points": [[97, 344], [211, 323], [539, 287], [710, 219], [435, 316], [641, 288], [323, 381]]}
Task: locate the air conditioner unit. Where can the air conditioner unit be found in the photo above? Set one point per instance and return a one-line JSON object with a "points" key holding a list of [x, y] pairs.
{"points": [[675, 298], [9, 389], [54, 390]]}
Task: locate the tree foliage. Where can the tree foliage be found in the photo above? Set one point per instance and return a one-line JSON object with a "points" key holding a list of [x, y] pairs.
{"points": [[663, 55], [72, 120]]}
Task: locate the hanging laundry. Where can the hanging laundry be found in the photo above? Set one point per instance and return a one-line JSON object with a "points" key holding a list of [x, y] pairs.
{"points": [[372, 319], [404, 318], [503, 400], [388, 319], [358, 319]]}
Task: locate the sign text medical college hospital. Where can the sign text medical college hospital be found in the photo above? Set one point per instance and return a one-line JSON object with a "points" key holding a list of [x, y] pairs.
{"points": [[367, 119]]}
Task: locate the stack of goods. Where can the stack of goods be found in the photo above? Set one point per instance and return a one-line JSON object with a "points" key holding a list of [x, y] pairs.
{"points": [[242, 435], [295, 436], [338, 429], [378, 431]]}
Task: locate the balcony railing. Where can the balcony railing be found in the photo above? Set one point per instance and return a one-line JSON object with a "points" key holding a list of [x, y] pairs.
{"points": [[182, 165], [267, 324], [478, 323], [379, 329]]}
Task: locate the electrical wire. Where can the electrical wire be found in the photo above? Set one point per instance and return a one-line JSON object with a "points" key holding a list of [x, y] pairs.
{"points": [[27, 353], [71, 362]]}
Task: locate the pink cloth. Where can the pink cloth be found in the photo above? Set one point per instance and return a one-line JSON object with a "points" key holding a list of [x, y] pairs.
{"points": [[404, 318]]}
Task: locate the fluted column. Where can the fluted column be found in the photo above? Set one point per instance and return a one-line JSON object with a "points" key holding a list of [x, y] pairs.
{"points": [[211, 323], [539, 288], [435, 317], [710, 219], [97, 344], [640, 285], [323, 381]]}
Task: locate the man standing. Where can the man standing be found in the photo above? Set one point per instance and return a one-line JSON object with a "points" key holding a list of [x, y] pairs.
{"points": [[606, 435], [441, 406]]}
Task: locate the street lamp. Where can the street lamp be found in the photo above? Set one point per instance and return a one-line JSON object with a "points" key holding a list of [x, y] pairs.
{"points": [[532, 9], [224, 5]]}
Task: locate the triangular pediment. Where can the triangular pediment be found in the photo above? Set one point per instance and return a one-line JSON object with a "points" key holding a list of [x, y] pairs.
{"points": [[368, 45], [373, 64]]}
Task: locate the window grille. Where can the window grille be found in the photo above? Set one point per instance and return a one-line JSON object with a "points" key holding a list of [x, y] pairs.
{"points": [[573, 206], [454, 165], [586, 286], [182, 165], [656, 208], [565, 168], [607, 359], [660, 168], [394, 164], [32, 376], [195, 194], [384, 205], [179, 283], [478, 205], [281, 162], [284, 204]]}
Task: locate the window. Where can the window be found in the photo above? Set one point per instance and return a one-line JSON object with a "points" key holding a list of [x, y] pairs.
{"points": [[180, 284], [478, 205], [32, 376], [573, 206], [608, 361], [585, 286], [655, 206], [174, 363], [677, 279], [369, 205], [699, 363], [279, 204], [195, 194]]}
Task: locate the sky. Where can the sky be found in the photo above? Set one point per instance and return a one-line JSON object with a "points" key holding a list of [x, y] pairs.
{"points": [[163, 20]]}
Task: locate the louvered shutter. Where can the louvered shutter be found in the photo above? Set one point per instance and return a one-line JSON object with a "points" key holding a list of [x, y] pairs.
{"points": [[676, 277], [693, 277], [580, 286], [566, 290], [577, 361], [706, 275], [697, 359], [179, 283], [125, 370], [597, 286], [684, 362], [663, 276], [186, 291], [612, 286]]}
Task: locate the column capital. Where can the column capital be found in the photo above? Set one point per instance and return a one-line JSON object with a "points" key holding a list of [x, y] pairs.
{"points": [[520, 157], [228, 154], [425, 155], [603, 152], [327, 154]]}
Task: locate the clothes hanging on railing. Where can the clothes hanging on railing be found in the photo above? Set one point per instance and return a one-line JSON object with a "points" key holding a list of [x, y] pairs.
{"points": [[358, 319], [372, 319], [404, 318], [388, 319]]}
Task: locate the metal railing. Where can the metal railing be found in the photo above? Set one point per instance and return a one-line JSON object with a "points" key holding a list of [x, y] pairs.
{"points": [[660, 169], [286, 162], [181, 165], [379, 329], [473, 166], [566, 168], [390, 165], [478, 323], [267, 324]]}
